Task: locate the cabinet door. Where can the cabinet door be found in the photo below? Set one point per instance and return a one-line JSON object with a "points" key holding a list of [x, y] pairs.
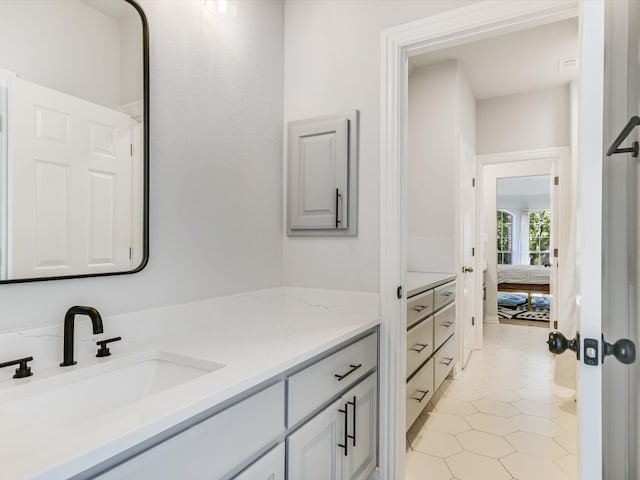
{"points": [[362, 427], [269, 467], [313, 451]]}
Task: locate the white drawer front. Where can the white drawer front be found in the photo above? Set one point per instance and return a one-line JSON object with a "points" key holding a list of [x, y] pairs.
{"points": [[316, 384], [419, 307], [419, 345], [444, 324], [269, 467], [445, 358], [213, 447], [444, 294], [419, 391]]}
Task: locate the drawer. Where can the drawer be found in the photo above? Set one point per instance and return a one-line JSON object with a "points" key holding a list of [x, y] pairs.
{"points": [[318, 383], [269, 467], [444, 324], [419, 391], [213, 447], [419, 307], [444, 294], [419, 344], [444, 360]]}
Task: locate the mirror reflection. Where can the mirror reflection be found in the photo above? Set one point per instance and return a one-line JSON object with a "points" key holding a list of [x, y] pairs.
{"points": [[72, 139]]}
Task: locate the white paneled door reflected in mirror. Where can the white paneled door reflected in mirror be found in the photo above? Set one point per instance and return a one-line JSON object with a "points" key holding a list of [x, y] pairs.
{"points": [[73, 138]]}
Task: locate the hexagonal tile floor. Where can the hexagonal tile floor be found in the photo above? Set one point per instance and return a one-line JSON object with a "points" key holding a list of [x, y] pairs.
{"points": [[503, 418]]}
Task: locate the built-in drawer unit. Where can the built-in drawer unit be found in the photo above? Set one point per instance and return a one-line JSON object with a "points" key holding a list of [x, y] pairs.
{"points": [[444, 324], [215, 446], [444, 294], [419, 344], [444, 359], [419, 306], [419, 391], [316, 384]]}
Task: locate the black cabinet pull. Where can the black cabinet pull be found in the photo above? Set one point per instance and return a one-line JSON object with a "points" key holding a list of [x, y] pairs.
{"points": [[446, 324], [421, 345], [424, 394], [419, 308], [447, 363], [338, 222], [345, 375], [346, 422], [353, 420]]}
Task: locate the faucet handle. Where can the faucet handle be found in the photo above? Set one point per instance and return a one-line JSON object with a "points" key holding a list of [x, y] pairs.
{"points": [[23, 369], [103, 351]]}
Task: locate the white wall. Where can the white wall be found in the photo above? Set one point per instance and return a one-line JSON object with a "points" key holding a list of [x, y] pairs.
{"points": [[65, 45], [332, 64], [526, 121], [131, 73], [216, 168], [441, 109]]}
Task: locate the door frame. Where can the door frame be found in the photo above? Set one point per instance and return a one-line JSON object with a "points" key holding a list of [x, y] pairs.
{"points": [[463, 25], [544, 161]]}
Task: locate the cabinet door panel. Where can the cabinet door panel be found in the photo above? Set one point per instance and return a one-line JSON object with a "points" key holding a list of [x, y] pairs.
{"points": [[269, 467], [313, 451], [361, 458]]}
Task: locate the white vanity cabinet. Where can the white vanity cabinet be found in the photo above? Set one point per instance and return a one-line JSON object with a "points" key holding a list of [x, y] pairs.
{"points": [[340, 442], [328, 401]]}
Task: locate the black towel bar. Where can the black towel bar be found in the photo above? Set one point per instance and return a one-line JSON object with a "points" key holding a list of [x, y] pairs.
{"points": [[631, 124]]}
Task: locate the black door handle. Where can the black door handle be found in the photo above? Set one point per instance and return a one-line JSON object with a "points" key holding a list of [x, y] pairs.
{"points": [[558, 343], [624, 350]]}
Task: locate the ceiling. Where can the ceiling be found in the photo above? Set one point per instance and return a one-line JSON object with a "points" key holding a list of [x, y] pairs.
{"points": [[517, 62]]}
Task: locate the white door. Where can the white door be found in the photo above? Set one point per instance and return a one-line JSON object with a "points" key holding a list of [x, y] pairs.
{"points": [[269, 467], [469, 271], [590, 153], [554, 201], [362, 419], [313, 451], [69, 169]]}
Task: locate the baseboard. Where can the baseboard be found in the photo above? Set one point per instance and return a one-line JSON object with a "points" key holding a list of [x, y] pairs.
{"points": [[491, 319]]}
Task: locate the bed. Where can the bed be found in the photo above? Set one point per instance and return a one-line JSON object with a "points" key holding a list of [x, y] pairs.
{"points": [[524, 278]]}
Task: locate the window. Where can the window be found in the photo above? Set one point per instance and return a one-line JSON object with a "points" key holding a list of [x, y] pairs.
{"points": [[505, 237], [539, 237]]}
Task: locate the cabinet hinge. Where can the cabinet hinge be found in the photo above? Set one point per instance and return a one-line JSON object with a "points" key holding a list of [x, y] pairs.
{"points": [[399, 292], [473, 321], [131, 149], [473, 182], [130, 253], [555, 324], [473, 252], [556, 180], [555, 252]]}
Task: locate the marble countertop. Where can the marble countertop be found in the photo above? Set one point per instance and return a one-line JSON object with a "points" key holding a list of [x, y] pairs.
{"points": [[418, 282], [256, 335]]}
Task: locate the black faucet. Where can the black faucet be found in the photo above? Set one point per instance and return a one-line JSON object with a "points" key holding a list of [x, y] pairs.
{"points": [[69, 321]]}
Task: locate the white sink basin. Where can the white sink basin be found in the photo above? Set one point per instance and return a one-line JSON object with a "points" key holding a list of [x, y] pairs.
{"points": [[81, 394]]}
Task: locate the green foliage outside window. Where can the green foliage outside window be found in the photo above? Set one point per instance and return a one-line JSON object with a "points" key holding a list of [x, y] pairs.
{"points": [[505, 237], [539, 237]]}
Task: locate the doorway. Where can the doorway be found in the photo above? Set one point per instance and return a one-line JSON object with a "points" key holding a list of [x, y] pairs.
{"points": [[414, 39]]}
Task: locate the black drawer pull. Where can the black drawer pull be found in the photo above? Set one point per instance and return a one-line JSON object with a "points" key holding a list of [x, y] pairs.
{"points": [[345, 375], [353, 420], [446, 324], [424, 394], [419, 308], [346, 422], [421, 345], [446, 294], [447, 363]]}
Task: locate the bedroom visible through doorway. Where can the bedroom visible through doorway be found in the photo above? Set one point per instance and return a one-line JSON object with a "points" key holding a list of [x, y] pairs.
{"points": [[524, 244]]}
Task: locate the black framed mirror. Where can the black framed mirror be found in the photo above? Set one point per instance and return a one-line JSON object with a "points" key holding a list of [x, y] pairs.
{"points": [[74, 139]]}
